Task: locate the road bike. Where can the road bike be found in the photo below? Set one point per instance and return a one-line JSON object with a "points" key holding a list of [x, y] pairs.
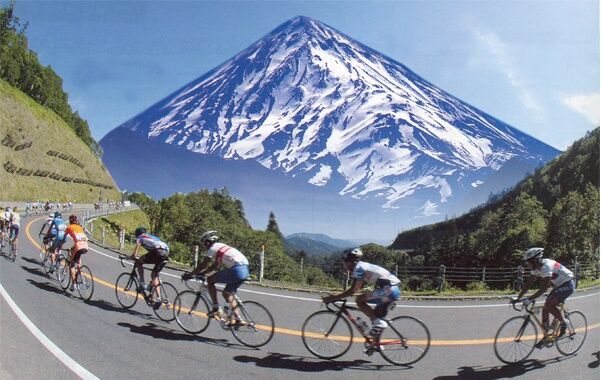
{"points": [[127, 290], [518, 336], [250, 322], [327, 334], [84, 281], [7, 242], [45, 255]]}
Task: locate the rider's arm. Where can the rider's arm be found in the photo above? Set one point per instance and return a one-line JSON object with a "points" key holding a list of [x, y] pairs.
{"points": [[205, 266], [545, 284], [134, 255], [355, 286], [529, 282]]}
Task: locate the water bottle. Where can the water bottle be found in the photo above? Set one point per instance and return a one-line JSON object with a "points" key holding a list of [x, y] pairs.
{"points": [[364, 326]]}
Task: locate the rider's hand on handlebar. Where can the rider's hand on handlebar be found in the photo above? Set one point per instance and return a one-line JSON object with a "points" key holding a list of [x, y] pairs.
{"points": [[527, 301], [186, 276]]}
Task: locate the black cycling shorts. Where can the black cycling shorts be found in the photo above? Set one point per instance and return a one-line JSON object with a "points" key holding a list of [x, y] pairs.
{"points": [[158, 257], [77, 256]]}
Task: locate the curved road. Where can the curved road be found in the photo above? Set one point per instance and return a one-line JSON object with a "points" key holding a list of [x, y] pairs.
{"points": [[74, 339]]}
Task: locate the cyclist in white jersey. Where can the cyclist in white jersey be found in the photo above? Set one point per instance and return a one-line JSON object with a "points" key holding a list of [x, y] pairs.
{"points": [[552, 274], [4, 224], [386, 291], [14, 225], [235, 272]]}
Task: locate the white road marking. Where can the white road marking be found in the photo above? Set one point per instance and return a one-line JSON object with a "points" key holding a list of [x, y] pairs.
{"points": [[39, 335]]}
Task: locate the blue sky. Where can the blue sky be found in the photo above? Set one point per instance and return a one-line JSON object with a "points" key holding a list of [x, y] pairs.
{"points": [[532, 64]]}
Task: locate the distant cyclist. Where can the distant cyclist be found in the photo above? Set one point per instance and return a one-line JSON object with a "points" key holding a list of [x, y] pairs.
{"points": [[234, 273], [80, 245], [158, 253], [386, 288], [552, 274], [14, 225]]}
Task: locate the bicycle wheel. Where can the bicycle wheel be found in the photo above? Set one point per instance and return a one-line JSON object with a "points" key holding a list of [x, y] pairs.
{"points": [[515, 340], [256, 326], [46, 262], [190, 310], [63, 274], [405, 341], [164, 309], [84, 283], [327, 335], [575, 333], [126, 290], [12, 251]]}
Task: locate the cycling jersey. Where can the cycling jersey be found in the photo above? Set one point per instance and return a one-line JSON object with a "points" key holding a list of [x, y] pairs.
{"points": [[16, 219], [558, 273], [151, 242], [58, 227], [226, 255], [77, 233], [373, 274], [6, 215]]}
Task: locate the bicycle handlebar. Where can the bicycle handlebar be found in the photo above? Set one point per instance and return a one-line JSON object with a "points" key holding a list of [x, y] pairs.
{"points": [[520, 305], [334, 304]]}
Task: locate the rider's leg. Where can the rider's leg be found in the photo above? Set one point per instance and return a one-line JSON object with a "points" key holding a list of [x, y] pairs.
{"points": [[212, 289], [365, 308]]}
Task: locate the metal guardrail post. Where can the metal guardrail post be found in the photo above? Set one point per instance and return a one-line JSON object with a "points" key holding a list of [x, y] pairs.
{"points": [[121, 239], [440, 278], [576, 273], [262, 263], [195, 256], [519, 281], [484, 274], [103, 235]]}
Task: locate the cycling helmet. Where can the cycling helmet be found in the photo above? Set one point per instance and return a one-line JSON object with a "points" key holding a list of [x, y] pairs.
{"points": [[209, 236], [57, 214], [534, 253], [354, 254], [140, 231], [73, 219]]}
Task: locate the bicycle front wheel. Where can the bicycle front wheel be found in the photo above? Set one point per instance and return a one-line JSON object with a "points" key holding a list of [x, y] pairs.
{"points": [[255, 329], [405, 341], [327, 335], [575, 333], [46, 262], [190, 310], [84, 283], [126, 290], [515, 340], [164, 308], [63, 274]]}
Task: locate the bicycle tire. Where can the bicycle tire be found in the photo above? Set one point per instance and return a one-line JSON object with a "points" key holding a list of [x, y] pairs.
{"points": [[12, 251], [126, 290], [165, 309], [190, 310], [47, 262], [575, 334], [517, 336], [63, 274], [404, 341], [325, 329], [84, 282], [259, 330]]}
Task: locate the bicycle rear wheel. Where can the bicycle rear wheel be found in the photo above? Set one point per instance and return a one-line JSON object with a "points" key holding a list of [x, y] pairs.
{"points": [[515, 340], [575, 333], [84, 283], [126, 290], [63, 274], [327, 335], [190, 310], [256, 326], [46, 262], [164, 308], [405, 341]]}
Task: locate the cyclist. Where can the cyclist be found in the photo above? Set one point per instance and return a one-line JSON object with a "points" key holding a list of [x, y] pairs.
{"points": [[552, 274], [80, 247], [235, 272], [158, 253], [4, 224], [14, 224], [56, 231], [386, 288]]}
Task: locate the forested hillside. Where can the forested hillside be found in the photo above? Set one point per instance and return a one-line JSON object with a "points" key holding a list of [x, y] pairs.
{"points": [[20, 67], [557, 207]]}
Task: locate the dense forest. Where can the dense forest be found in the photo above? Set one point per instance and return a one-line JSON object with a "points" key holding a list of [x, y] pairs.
{"points": [[181, 219], [20, 67], [557, 207]]}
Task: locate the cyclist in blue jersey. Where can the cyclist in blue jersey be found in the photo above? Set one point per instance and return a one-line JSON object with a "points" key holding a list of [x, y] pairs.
{"points": [[386, 288], [56, 230], [158, 253]]}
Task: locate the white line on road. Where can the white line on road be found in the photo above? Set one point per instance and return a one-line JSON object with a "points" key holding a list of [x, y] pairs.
{"points": [[39, 335], [398, 306]]}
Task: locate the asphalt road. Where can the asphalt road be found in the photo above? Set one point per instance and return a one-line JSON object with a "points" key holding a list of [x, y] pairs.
{"points": [[101, 339]]}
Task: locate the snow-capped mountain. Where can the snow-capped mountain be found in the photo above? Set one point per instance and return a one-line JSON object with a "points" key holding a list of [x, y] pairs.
{"points": [[311, 102]]}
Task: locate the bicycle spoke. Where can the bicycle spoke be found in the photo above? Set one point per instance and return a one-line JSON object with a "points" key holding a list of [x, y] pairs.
{"points": [[520, 345], [326, 335]]}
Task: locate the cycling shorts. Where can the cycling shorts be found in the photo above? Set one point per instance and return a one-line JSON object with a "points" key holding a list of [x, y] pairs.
{"points": [[48, 238], [383, 295], [233, 277], [563, 291], [77, 257], [158, 257], [58, 242], [14, 231]]}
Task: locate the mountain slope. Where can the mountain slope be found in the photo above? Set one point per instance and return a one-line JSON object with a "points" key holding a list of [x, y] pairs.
{"points": [[29, 132]]}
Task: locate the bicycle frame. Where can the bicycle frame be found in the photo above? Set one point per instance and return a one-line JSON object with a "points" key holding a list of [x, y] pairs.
{"points": [[134, 275], [532, 310]]}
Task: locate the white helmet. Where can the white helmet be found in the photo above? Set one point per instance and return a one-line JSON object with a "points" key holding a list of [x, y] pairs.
{"points": [[354, 254], [532, 253], [209, 236]]}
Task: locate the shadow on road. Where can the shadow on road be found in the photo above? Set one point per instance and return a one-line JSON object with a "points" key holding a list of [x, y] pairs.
{"points": [[50, 288], [502, 372], [594, 364], [35, 271], [109, 306], [158, 332], [310, 364], [31, 261]]}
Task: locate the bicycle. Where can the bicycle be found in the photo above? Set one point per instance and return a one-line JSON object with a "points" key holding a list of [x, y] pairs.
{"points": [[127, 289], [45, 255], [517, 337], [253, 328], [12, 249], [327, 334], [84, 281]]}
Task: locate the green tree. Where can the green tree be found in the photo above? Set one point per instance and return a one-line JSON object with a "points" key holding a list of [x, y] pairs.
{"points": [[272, 226]]}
